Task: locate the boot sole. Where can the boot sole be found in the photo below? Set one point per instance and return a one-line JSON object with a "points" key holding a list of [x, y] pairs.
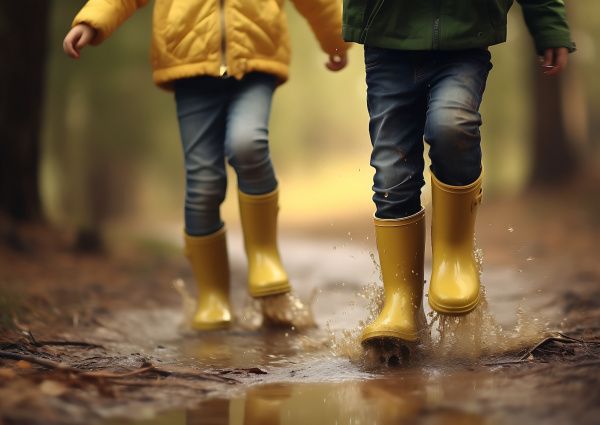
{"points": [[212, 326], [442, 309], [390, 351], [272, 289]]}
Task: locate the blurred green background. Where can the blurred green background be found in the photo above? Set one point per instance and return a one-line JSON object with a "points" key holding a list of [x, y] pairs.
{"points": [[111, 152]]}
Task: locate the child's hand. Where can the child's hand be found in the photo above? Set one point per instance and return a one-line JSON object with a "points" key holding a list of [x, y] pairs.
{"points": [[337, 62], [80, 36], [555, 60]]}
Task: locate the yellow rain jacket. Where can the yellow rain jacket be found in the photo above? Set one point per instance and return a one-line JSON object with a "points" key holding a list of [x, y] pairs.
{"points": [[211, 37]]}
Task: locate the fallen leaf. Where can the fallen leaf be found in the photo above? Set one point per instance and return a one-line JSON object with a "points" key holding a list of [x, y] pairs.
{"points": [[52, 388], [22, 364]]}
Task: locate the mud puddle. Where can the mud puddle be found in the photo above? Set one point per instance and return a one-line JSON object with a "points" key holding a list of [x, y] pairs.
{"points": [[322, 376]]}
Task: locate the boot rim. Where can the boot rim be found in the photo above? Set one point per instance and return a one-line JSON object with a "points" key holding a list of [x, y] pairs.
{"points": [[437, 183], [259, 198], [205, 239], [399, 222]]}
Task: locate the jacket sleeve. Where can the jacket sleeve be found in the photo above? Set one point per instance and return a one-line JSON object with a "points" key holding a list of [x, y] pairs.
{"points": [[547, 23], [325, 19], [105, 16]]}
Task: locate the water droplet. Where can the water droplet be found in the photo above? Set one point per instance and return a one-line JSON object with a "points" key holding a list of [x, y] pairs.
{"points": [[530, 259], [510, 229], [385, 195]]}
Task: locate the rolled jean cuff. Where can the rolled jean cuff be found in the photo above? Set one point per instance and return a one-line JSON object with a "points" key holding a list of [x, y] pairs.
{"points": [[395, 210], [202, 224], [265, 184]]}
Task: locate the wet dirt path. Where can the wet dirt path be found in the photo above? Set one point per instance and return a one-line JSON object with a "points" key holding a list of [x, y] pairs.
{"points": [[470, 373]]}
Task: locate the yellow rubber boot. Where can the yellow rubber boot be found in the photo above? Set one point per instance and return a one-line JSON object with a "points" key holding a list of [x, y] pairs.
{"points": [[266, 275], [454, 287], [401, 245], [208, 257]]}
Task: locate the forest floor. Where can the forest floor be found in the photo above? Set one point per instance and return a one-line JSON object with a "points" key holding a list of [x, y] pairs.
{"points": [[97, 338]]}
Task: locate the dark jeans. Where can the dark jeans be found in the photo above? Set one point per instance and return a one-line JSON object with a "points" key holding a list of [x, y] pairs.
{"points": [[223, 118], [416, 95]]}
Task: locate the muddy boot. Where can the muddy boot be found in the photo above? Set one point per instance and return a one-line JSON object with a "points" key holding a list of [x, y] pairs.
{"points": [[266, 275], [454, 287], [208, 257], [401, 244]]}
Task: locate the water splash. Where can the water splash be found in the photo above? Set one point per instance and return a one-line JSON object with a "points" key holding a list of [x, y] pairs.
{"points": [[465, 337], [346, 343], [250, 316], [287, 310], [188, 304], [284, 310], [443, 338]]}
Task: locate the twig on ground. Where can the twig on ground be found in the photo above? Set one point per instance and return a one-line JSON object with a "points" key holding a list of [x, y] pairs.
{"points": [[40, 343], [106, 375], [526, 357], [69, 343], [546, 340], [39, 361], [101, 374], [581, 341]]}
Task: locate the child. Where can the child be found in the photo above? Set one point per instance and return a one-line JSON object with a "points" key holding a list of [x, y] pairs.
{"points": [[426, 67], [223, 59]]}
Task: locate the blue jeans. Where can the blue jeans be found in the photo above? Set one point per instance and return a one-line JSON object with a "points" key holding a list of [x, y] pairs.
{"points": [[416, 95], [223, 118]]}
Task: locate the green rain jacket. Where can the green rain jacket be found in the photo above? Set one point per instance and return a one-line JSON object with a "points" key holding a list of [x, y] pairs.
{"points": [[451, 24]]}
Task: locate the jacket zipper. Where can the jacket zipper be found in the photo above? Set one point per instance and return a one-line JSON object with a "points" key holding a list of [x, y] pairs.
{"points": [[223, 66], [369, 21], [435, 42]]}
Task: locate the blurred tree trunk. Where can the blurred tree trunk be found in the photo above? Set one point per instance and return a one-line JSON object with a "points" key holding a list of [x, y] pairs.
{"points": [[560, 124], [23, 39], [555, 158]]}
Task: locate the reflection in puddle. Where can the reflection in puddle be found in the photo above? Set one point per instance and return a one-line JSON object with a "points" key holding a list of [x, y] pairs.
{"points": [[412, 397]]}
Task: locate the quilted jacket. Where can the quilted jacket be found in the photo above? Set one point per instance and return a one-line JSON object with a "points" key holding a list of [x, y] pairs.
{"points": [[214, 37]]}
